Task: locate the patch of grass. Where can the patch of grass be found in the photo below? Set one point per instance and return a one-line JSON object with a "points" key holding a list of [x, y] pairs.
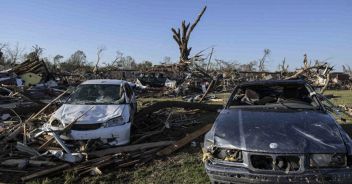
{"points": [[342, 97], [183, 167]]}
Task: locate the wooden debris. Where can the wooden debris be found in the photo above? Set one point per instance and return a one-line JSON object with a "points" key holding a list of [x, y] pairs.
{"points": [[45, 172], [68, 127], [212, 83], [147, 135], [176, 104], [15, 162], [19, 129], [129, 148], [184, 141], [12, 170], [26, 149]]}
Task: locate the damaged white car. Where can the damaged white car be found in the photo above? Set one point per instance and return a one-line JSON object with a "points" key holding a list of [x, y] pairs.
{"points": [[102, 109]]}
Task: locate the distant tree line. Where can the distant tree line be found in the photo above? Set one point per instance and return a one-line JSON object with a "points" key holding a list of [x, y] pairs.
{"points": [[12, 55]]}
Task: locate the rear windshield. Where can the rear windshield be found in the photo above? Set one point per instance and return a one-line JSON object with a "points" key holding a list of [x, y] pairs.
{"points": [[96, 94]]}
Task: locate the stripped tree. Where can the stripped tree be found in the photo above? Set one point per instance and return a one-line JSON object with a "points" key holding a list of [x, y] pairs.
{"points": [[283, 68], [182, 37], [99, 51], [263, 59], [35, 54], [2, 45], [14, 53]]}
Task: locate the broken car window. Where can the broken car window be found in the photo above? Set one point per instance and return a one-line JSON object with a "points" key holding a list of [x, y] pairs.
{"points": [[287, 95], [96, 94]]}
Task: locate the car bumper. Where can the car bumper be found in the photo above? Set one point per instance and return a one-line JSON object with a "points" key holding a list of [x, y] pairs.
{"points": [[229, 174], [119, 134]]}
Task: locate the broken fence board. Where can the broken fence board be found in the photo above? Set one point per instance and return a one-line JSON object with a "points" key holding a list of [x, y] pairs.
{"points": [[129, 148], [182, 142]]}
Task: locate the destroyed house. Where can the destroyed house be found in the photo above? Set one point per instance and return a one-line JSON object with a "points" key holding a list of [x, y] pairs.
{"points": [[125, 74], [339, 77], [256, 75]]}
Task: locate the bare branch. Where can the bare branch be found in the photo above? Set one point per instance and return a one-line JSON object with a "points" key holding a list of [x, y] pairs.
{"points": [[14, 53], [196, 22]]}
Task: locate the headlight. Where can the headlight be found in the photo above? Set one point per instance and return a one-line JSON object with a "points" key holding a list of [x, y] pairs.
{"points": [[114, 122], [208, 145], [328, 160], [228, 154], [56, 123]]}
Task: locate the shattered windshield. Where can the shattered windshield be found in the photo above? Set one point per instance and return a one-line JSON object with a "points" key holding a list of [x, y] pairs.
{"points": [[293, 96], [96, 94]]}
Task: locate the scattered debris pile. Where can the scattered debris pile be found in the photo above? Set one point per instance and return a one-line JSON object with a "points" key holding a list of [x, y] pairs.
{"points": [[29, 150]]}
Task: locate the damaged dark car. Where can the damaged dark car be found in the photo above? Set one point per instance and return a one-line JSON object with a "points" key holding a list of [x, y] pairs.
{"points": [[277, 131]]}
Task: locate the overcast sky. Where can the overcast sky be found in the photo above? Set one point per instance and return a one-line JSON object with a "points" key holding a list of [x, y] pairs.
{"points": [[239, 29]]}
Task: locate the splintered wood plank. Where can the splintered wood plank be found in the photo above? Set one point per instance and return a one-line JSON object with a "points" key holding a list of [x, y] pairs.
{"points": [[129, 148], [45, 172], [184, 141]]}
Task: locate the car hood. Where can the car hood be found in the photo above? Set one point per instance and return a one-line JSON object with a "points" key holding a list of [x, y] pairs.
{"points": [[67, 113], [277, 131]]}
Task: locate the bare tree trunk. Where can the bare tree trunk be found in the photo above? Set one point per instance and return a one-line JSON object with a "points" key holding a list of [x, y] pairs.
{"points": [[183, 38], [262, 61], [100, 50], [14, 53]]}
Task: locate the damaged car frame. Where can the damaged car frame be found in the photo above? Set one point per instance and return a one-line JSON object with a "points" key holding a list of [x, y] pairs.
{"points": [[277, 131], [106, 107]]}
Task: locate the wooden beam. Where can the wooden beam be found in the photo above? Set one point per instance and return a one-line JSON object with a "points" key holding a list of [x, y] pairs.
{"points": [[129, 148], [184, 141], [212, 83], [45, 172]]}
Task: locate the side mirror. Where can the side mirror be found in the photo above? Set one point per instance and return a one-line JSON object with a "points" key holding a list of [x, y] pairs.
{"points": [[63, 99], [71, 89]]}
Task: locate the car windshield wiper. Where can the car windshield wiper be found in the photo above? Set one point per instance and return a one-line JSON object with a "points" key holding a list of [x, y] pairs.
{"points": [[76, 102], [81, 102], [298, 105]]}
